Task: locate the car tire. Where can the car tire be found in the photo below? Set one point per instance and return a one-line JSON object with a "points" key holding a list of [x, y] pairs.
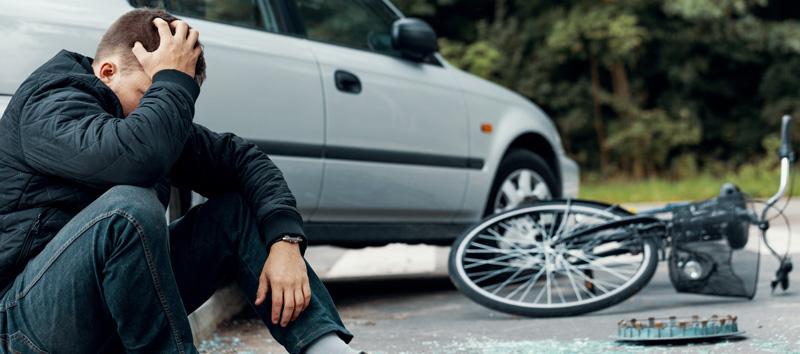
{"points": [[517, 160]]}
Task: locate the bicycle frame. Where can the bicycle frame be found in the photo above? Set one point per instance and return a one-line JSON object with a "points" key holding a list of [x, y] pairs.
{"points": [[598, 254], [724, 210], [787, 156]]}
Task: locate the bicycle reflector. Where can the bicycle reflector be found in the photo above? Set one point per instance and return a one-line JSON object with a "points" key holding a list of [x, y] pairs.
{"points": [[711, 253]]}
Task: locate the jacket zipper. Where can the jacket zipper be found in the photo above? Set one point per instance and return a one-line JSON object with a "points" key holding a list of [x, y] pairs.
{"points": [[26, 244]]}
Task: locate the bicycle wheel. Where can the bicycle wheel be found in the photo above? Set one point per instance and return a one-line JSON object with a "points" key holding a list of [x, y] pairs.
{"points": [[556, 258]]}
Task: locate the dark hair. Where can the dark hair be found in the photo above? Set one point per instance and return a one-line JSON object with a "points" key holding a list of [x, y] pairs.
{"points": [[137, 26]]}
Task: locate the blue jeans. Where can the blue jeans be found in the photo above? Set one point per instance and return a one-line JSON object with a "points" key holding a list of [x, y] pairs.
{"points": [[118, 278]]}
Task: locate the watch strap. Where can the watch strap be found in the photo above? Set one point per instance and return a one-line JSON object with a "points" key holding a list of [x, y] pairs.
{"points": [[291, 239]]}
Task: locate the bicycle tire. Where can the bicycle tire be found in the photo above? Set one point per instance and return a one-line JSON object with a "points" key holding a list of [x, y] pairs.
{"points": [[467, 285]]}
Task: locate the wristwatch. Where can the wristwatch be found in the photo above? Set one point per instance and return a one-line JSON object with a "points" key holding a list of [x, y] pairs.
{"points": [[291, 239]]}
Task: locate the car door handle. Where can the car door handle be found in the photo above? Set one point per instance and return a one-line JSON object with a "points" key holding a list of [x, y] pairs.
{"points": [[347, 82]]}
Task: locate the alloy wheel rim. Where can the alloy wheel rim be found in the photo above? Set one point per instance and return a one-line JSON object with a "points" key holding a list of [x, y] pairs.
{"points": [[522, 186]]}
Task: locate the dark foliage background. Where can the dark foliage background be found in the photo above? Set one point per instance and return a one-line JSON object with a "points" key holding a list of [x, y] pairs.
{"points": [[637, 88]]}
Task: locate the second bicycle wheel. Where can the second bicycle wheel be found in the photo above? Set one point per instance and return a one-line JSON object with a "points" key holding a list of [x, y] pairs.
{"points": [[555, 258]]}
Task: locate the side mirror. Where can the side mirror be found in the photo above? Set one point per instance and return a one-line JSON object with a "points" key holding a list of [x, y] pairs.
{"points": [[414, 38]]}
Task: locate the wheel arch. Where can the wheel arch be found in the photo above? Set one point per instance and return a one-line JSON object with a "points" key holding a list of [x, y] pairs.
{"points": [[539, 145]]}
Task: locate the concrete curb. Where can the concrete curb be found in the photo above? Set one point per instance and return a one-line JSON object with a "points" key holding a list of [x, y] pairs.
{"points": [[222, 306]]}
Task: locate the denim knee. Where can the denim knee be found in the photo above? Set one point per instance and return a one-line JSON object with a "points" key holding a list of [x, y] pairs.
{"points": [[141, 203], [138, 205]]}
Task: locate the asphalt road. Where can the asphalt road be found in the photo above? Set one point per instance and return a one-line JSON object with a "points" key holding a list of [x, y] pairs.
{"points": [[419, 311]]}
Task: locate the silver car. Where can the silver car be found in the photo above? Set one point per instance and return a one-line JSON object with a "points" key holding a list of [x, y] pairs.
{"points": [[379, 138]]}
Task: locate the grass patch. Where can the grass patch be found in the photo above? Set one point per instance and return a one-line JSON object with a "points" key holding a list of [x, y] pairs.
{"points": [[755, 181]]}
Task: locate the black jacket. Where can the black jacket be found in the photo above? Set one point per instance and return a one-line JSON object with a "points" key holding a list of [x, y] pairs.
{"points": [[64, 141]]}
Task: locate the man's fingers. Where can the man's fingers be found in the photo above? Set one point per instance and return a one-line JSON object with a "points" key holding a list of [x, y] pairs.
{"points": [[192, 39], [138, 51], [288, 307], [261, 293], [299, 304], [163, 29], [181, 29], [306, 293], [277, 304]]}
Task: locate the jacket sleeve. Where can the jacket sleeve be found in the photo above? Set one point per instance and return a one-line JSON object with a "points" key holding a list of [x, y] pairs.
{"points": [[66, 132], [215, 163]]}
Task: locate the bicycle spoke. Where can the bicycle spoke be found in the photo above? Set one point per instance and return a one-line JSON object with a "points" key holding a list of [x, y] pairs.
{"points": [[598, 265], [483, 251], [531, 281], [503, 239], [552, 225], [518, 280], [594, 257], [567, 231], [477, 274], [596, 281], [503, 285], [558, 288], [569, 272], [593, 281], [632, 272], [571, 281], [535, 224], [489, 248], [547, 274], [563, 220], [511, 259], [541, 292], [490, 287], [494, 261]]}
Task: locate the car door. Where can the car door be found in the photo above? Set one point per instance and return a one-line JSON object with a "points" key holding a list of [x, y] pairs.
{"points": [[396, 130], [262, 85]]}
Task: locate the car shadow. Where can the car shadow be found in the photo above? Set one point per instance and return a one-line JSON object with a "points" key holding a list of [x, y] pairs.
{"points": [[346, 292]]}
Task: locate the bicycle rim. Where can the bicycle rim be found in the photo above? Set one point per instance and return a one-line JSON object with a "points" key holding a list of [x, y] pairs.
{"points": [[518, 262]]}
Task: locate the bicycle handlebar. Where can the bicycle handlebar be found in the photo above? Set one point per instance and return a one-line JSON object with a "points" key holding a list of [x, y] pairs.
{"points": [[786, 138], [787, 157]]}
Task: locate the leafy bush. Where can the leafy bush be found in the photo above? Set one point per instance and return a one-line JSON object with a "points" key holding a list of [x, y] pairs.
{"points": [[636, 86]]}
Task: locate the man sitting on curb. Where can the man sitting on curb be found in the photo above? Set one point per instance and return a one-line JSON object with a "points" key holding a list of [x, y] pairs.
{"points": [[88, 150]]}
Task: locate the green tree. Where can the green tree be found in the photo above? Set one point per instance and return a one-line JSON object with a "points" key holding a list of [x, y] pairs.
{"points": [[636, 86]]}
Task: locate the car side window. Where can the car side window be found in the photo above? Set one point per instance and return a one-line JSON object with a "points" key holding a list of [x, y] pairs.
{"points": [[360, 24], [244, 13]]}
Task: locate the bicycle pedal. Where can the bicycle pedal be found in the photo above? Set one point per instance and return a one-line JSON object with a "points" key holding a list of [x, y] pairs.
{"points": [[782, 275]]}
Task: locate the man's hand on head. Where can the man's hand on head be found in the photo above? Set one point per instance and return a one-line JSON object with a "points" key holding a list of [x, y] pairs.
{"points": [[175, 51], [285, 275]]}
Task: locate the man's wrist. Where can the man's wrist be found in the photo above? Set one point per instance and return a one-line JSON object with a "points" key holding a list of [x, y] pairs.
{"points": [[283, 245], [287, 241], [179, 78]]}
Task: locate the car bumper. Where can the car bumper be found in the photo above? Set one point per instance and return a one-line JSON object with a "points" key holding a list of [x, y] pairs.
{"points": [[570, 177]]}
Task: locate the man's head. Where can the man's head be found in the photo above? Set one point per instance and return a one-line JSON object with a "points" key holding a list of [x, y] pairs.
{"points": [[115, 63]]}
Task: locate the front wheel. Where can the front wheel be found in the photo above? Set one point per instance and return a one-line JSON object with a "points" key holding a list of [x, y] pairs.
{"points": [[524, 262], [522, 177]]}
